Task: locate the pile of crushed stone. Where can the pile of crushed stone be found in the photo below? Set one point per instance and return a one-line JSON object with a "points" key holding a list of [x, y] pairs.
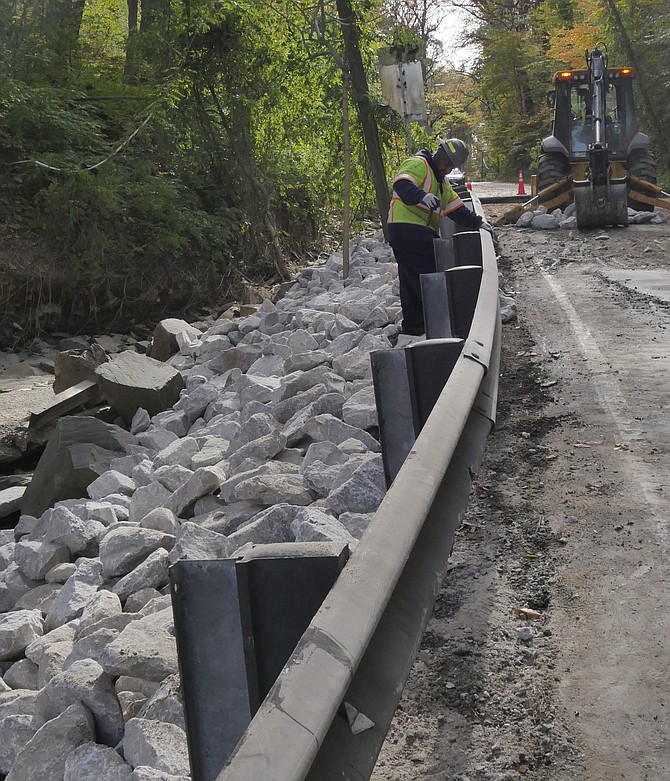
{"points": [[541, 219]]}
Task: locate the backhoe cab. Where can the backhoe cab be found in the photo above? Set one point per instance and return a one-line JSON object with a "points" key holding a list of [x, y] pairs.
{"points": [[596, 154]]}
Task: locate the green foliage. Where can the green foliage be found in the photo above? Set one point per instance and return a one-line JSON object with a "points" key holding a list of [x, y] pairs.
{"points": [[244, 121], [139, 219]]}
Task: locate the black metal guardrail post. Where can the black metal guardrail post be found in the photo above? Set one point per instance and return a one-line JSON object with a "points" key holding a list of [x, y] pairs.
{"points": [[463, 283], [468, 248], [394, 409], [407, 384], [436, 312], [445, 255], [360, 645], [429, 366], [237, 622]]}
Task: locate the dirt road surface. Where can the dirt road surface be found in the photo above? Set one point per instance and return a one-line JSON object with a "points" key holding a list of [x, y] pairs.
{"points": [[569, 518]]}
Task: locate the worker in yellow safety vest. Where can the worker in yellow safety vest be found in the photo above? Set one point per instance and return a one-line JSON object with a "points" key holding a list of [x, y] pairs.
{"points": [[421, 197]]}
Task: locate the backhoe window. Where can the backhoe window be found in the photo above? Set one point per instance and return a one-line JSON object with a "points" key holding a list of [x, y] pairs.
{"points": [[580, 124]]}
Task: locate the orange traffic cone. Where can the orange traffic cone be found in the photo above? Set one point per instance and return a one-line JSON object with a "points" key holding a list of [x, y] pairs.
{"points": [[468, 184], [521, 189]]}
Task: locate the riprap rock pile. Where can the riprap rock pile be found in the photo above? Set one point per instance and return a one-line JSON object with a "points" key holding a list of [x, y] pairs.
{"points": [[272, 440]]}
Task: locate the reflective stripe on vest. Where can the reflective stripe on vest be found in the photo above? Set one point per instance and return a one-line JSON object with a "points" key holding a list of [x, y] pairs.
{"points": [[417, 171]]}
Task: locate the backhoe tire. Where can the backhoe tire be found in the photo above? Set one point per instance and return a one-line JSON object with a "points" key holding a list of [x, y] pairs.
{"points": [[551, 168], [641, 163]]}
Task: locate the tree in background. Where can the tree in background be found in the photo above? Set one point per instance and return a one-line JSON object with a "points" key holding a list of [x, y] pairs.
{"points": [[187, 147]]}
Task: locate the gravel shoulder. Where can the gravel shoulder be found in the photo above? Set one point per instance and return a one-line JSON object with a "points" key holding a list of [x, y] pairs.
{"points": [[568, 518]]}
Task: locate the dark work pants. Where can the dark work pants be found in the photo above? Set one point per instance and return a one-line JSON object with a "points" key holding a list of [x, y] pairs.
{"points": [[413, 258]]}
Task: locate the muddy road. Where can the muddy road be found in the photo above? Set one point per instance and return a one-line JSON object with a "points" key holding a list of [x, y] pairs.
{"points": [[548, 654]]}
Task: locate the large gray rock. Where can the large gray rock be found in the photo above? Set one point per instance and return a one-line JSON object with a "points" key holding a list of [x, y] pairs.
{"points": [[313, 525], [15, 732], [89, 648], [162, 519], [166, 703], [74, 366], [301, 381], [92, 761], [64, 633], [145, 773], [101, 606], [111, 482], [21, 675], [178, 452], [329, 428], [40, 598], [262, 449], [75, 594], [165, 343], [84, 682], [131, 381], [35, 558], [240, 357], [328, 403], [17, 631], [275, 489], [362, 492], [196, 542], [45, 754], [80, 450], [146, 499], [151, 573], [360, 410], [202, 482], [61, 526], [157, 744], [15, 703], [145, 649], [124, 547], [228, 489], [272, 525], [13, 586], [284, 410]]}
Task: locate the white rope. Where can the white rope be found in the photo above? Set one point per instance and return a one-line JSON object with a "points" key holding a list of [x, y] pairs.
{"points": [[96, 165]]}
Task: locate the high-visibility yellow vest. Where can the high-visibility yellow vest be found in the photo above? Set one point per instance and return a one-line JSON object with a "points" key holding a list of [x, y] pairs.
{"points": [[418, 171]]}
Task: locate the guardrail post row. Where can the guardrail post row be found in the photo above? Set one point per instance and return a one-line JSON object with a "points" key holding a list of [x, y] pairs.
{"points": [[237, 621], [463, 284]]}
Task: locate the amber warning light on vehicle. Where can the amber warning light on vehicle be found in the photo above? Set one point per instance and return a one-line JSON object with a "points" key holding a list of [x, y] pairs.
{"points": [[565, 75]]}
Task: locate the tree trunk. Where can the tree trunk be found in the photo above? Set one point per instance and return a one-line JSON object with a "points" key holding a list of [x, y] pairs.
{"points": [[248, 168], [361, 97], [129, 68], [347, 174], [62, 23]]}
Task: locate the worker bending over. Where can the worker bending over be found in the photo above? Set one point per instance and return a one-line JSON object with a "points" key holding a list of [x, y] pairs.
{"points": [[421, 197]]}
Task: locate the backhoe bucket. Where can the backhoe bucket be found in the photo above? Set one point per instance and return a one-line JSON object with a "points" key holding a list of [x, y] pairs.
{"points": [[600, 205]]}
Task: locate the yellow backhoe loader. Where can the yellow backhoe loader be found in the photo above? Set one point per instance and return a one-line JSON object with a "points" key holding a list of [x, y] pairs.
{"points": [[596, 156]]}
